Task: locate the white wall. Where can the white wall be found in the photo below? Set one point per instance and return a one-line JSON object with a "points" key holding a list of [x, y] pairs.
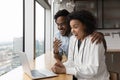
{"points": [[112, 39]]}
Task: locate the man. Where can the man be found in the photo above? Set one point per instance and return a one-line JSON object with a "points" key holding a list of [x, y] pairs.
{"points": [[61, 42]]}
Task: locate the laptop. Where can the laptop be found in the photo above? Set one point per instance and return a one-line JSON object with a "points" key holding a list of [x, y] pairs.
{"points": [[34, 74]]}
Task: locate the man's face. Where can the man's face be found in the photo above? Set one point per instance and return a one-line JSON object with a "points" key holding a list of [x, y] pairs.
{"points": [[62, 26]]}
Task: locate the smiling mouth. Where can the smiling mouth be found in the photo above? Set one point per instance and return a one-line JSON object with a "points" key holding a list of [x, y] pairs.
{"points": [[62, 31]]}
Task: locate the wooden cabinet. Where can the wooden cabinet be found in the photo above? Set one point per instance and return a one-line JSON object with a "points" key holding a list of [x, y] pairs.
{"points": [[107, 12]]}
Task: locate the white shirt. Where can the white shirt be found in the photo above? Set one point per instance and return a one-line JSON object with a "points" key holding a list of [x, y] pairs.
{"points": [[89, 62], [65, 43]]}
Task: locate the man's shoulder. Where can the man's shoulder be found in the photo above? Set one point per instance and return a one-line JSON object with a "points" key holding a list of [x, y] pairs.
{"points": [[57, 35]]}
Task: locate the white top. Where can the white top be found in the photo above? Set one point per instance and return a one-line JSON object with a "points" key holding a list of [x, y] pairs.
{"points": [[65, 43], [89, 62]]}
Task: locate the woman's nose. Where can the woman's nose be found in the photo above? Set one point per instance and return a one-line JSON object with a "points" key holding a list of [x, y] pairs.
{"points": [[72, 30]]}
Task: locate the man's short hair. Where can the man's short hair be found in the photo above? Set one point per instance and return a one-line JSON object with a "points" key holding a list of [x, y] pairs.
{"points": [[62, 12]]}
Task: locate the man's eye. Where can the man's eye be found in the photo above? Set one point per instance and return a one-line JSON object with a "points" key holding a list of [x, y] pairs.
{"points": [[61, 24]]}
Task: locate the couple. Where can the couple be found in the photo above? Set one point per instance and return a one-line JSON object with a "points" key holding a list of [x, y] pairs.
{"points": [[86, 60]]}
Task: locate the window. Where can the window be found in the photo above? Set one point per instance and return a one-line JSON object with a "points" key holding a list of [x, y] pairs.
{"points": [[11, 33], [39, 29], [111, 13]]}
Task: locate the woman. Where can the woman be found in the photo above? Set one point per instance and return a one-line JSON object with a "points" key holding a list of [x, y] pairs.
{"points": [[86, 60]]}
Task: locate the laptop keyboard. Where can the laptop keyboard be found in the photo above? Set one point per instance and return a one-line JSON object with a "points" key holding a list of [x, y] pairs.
{"points": [[36, 73]]}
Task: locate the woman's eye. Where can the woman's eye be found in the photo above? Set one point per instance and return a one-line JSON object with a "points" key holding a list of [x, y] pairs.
{"points": [[75, 26]]}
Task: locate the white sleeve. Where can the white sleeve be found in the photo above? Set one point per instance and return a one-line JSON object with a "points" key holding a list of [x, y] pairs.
{"points": [[88, 70], [69, 63]]}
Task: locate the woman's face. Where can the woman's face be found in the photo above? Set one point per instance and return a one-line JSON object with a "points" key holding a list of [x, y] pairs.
{"points": [[78, 29]]}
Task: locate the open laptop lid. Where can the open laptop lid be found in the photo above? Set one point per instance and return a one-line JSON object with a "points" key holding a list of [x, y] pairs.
{"points": [[25, 63], [27, 70]]}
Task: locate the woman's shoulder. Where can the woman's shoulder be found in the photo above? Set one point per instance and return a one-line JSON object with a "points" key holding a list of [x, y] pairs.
{"points": [[72, 37], [88, 38], [89, 41]]}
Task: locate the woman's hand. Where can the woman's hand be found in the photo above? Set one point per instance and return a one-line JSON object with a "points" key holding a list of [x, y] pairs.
{"points": [[59, 68]]}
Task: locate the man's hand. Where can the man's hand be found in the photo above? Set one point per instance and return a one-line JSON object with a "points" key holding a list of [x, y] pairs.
{"points": [[56, 45], [97, 36]]}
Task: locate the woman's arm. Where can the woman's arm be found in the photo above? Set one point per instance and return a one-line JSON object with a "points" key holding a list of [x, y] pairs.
{"points": [[91, 68]]}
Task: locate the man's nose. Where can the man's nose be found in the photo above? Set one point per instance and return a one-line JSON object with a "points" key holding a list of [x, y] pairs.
{"points": [[60, 27]]}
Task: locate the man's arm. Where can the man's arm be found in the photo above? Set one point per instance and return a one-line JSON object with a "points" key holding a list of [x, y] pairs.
{"points": [[99, 37], [56, 46], [57, 56], [105, 44]]}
